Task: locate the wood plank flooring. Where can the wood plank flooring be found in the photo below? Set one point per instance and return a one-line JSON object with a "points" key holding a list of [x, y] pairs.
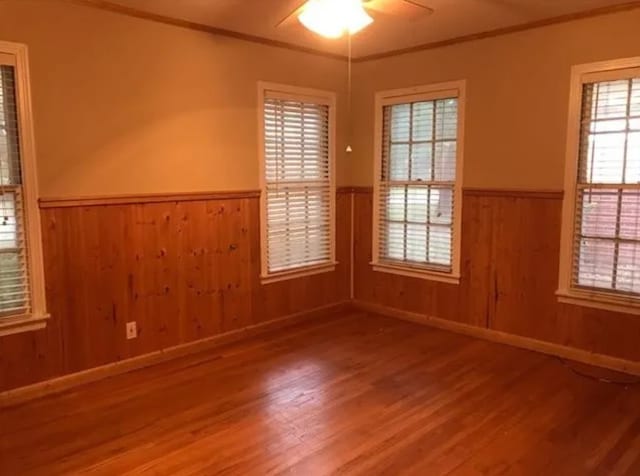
{"points": [[349, 394]]}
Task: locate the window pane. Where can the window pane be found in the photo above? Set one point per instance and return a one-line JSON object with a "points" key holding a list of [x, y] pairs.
{"points": [[416, 243], [445, 161], [596, 263], [423, 121], [633, 158], [395, 241], [440, 245], [606, 158], [417, 205], [446, 118], [441, 206], [628, 271], [599, 213], [13, 295], [9, 138], [396, 204], [421, 161], [635, 97], [399, 166], [610, 100], [8, 221], [630, 215], [400, 122]]}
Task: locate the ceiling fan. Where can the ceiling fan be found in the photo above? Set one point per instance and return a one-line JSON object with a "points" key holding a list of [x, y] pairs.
{"points": [[333, 18]]}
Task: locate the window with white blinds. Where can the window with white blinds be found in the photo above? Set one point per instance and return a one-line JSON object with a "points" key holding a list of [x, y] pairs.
{"points": [[607, 209], [417, 186], [14, 279], [298, 191], [22, 301]]}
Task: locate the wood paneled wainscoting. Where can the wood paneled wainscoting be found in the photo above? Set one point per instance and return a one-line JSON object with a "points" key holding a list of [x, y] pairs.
{"points": [[510, 260], [184, 267]]}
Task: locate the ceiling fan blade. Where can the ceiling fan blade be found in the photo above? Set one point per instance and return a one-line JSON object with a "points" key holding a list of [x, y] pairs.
{"points": [[399, 8], [293, 14], [419, 4]]}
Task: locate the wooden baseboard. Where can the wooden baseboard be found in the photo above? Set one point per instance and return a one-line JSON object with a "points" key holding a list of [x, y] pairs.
{"points": [[65, 382], [569, 353]]}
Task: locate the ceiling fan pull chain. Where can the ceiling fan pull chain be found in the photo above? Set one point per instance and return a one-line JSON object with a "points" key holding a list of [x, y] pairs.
{"points": [[349, 106]]}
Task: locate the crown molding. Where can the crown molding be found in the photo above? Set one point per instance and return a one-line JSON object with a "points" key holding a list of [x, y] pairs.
{"points": [[190, 25], [610, 9]]}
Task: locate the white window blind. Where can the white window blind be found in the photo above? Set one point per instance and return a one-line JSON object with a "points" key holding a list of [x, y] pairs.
{"points": [[14, 279], [298, 190], [417, 184], [607, 230]]}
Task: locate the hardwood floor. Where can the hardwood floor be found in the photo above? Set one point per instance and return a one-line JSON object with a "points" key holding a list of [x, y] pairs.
{"points": [[350, 394]]}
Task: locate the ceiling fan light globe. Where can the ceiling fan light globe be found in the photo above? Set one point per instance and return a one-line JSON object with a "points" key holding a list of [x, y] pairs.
{"points": [[319, 17], [332, 18], [357, 18]]}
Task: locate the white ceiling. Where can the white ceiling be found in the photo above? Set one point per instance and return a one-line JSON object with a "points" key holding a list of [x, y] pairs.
{"points": [[407, 26]]}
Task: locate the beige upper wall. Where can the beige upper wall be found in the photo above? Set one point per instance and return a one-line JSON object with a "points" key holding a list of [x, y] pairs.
{"points": [[124, 105], [517, 96]]}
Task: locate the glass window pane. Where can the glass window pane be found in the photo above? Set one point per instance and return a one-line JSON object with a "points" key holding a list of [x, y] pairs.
{"points": [[606, 158], [396, 204], [595, 266], [400, 122], [446, 119], [399, 162], [610, 99], [9, 138], [8, 221], [628, 271], [616, 125], [630, 215], [633, 158], [445, 161], [635, 98], [417, 204], [416, 243], [421, 161], [441, 206], [440, 245], [395, 241], [599, 213], [423, 121]]}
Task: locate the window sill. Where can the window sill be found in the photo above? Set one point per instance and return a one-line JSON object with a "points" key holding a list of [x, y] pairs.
{"points": [[429, 275], [17, 325], [299, 273], [602, 301]]}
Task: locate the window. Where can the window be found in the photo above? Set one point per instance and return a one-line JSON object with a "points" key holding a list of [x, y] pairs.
{"points": [[601, 246], [418, 196], [21, 276], [298, 189]]}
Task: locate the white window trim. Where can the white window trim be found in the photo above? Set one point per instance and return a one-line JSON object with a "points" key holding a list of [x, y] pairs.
{"points": [[580, 74], [37, 319], [320, 97], [399, 96]]}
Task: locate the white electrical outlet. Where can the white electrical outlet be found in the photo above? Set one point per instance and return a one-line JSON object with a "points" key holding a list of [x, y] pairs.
{"points": [[132, 330]]}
